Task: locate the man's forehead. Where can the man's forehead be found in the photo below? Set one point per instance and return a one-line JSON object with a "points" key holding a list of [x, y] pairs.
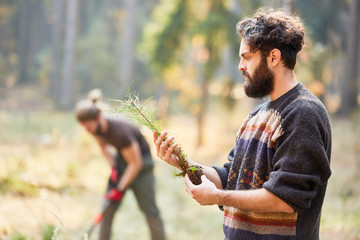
{"points": [[244, 47]]}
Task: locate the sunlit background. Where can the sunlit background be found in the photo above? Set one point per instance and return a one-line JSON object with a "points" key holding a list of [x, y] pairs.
{"points": [[183, 54]]}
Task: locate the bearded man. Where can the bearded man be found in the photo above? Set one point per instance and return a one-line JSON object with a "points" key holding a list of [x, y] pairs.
{"points": [[274, 182]]}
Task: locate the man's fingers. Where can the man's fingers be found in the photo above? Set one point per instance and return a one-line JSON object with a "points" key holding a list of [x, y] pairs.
{"points": [[155, 135], [189, 185], [164, 146], [158, 140], [170, 150], [204, 178], [187, 190], [161, 138], [168, 141]]}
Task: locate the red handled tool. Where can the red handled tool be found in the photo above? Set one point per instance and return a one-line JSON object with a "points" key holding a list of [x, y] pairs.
{"points": [[96, 220]]}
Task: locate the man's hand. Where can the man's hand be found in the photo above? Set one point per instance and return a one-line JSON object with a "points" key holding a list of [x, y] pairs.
{"points": [[206, 193], [165, 151], [114, 194], [114, 176]]}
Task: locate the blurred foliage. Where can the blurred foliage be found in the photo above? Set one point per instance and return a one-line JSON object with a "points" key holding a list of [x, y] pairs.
{"points": [[185, 47], [326, 21], [14, 184], [18, 236], [94, 52], [314, 68], [175, 42], [169, 43], [49, 232]]}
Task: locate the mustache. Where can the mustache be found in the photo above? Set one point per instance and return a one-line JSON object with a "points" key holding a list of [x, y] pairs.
{"points": [[246, 74]]}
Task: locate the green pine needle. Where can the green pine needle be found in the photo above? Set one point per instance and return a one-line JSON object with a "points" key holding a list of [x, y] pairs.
{"points": [[143, 115], [146, 115]]}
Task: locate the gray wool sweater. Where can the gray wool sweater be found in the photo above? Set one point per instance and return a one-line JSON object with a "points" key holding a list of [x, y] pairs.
{"points": [[284, 146]]}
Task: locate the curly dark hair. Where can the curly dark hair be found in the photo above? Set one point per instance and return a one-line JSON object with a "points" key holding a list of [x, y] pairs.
{"points": [[269, 29]]}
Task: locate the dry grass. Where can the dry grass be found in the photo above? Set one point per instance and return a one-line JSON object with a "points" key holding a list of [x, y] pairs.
{"points": [[64, 166]]}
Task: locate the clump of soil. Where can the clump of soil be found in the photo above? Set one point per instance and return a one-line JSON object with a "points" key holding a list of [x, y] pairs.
{"points": [[194, 171]]}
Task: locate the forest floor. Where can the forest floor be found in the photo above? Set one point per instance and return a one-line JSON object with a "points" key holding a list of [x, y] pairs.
{"points": [[52, 175]]}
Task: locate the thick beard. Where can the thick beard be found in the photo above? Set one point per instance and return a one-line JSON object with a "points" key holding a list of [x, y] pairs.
{"points": [[262, 83]]}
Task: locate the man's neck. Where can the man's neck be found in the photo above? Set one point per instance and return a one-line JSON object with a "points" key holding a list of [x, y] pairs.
{"points": [[284, 81]]}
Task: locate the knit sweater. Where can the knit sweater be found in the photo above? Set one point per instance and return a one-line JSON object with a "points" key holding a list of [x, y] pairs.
{"points": [[283, 146]]}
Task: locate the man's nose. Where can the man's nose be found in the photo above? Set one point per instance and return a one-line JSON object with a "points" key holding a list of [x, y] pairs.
{"points": [[241, 67]]}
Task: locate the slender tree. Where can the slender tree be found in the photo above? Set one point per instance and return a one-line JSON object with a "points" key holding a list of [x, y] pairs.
{"points": [[69, 55], [56, 22], [215, 26], [218, 29], [128, 45], [350, 83], [24, 41]]}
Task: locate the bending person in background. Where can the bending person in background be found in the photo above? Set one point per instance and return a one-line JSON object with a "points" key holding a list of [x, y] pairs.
{"points": [[131, 167]]}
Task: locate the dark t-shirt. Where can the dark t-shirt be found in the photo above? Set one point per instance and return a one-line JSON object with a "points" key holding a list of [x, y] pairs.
{"points": [[121, 134]]}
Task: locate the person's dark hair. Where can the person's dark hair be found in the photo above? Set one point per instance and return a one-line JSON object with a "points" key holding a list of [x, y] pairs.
{"points": [[86, 110], [89, 109], [269, 29]]}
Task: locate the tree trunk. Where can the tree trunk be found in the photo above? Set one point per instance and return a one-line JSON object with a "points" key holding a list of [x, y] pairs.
{"points": [[24, 35], [57, 16], [202, 111], [127, 46], [207, 73], [69, 54], [349, 90]]}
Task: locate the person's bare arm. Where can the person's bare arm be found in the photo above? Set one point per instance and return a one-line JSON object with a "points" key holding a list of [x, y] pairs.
{"points": [[132, 156], [104, 149], [258, 200]]}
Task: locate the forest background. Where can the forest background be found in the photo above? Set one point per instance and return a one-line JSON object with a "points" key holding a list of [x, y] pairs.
{"points": [[183, 54]]}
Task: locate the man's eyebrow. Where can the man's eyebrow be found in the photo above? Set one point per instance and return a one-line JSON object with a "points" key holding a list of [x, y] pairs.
{"points": [[244, 53]]}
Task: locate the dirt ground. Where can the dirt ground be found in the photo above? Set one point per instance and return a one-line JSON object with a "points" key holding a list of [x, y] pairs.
{"points": [[53, 173]]}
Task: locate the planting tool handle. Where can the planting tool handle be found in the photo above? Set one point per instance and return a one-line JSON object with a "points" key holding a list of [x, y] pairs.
{"points": [[96, 220]]}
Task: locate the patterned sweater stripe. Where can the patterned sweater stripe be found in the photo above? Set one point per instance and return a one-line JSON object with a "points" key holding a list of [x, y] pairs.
{"points": [[265, 127], [271, 219], [253, 235], [273, 223], [241, 227], [260, 128], [256, 136]]}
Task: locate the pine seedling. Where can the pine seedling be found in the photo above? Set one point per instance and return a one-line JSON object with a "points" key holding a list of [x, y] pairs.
{"points": [[146, 115]]}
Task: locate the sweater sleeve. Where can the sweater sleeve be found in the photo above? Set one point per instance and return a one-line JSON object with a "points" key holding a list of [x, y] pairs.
{"points": [[225, 169], [301, 164]]}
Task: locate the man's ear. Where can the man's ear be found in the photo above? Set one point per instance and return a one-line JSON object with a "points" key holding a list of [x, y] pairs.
{"points": [[274, 57]]}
